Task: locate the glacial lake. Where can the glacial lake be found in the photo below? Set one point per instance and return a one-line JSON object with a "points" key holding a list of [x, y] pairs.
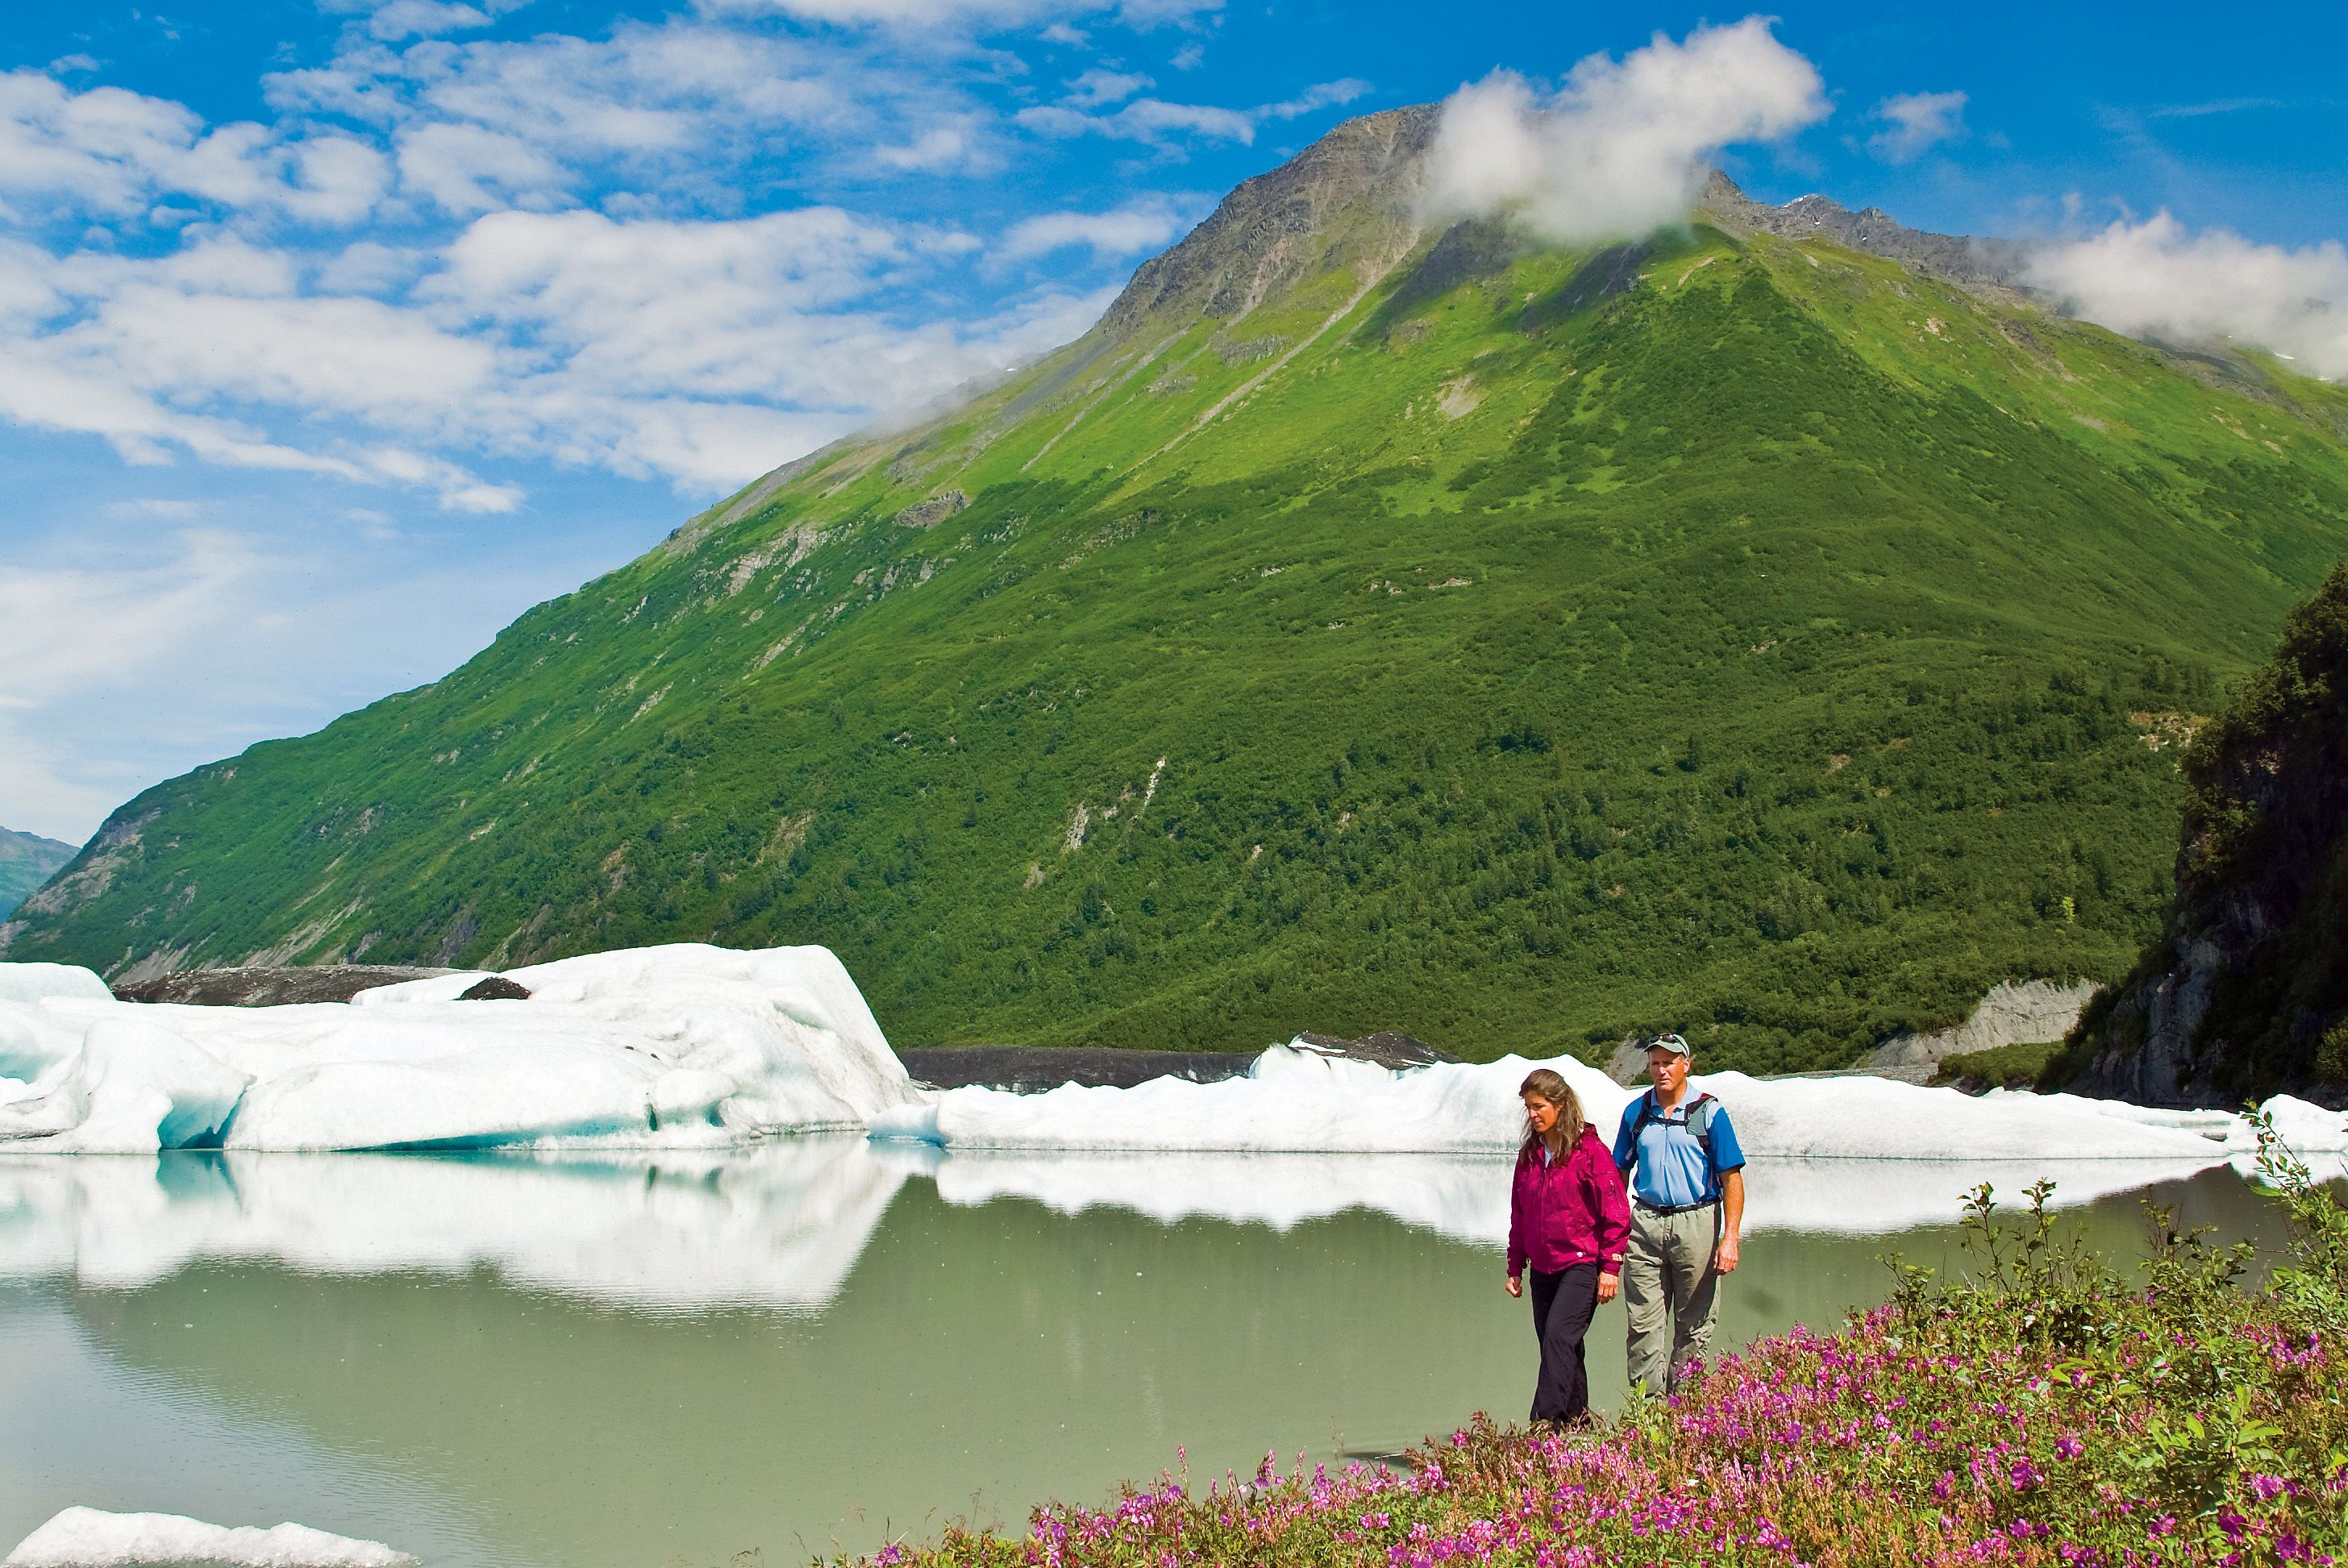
{"points": [[597, 1362]]}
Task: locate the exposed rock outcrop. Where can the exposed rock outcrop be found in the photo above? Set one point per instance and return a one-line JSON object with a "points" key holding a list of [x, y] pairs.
{"points": [[2247, 990], [1954, 257], [496, 988], [929, 514], [2013, 1012], [1032, 1068]]}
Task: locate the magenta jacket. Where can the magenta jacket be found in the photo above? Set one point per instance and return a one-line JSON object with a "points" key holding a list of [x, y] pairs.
{"points": [[1571, 1211]]}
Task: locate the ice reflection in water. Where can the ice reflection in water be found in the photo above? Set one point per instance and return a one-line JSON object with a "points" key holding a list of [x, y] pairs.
{"points": [[642, 1359]]}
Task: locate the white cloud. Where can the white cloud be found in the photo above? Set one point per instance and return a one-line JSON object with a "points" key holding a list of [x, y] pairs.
{"points": [[1320, 96], [1154, 121], [1096, 88], [81, 633], [1620, 148], [2155, 279], [108, 152], [956, 143], [1916, 121], [469, 168], [1144, 224], [1189, 57], [175, 355], [908, 14]]}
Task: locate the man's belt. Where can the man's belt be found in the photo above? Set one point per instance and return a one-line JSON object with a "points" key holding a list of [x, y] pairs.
{"points": [[1674, 1208]]}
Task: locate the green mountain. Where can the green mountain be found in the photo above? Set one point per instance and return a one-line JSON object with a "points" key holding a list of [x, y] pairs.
{"points": [[2246, 991], [27, 860], [1776, 629]]}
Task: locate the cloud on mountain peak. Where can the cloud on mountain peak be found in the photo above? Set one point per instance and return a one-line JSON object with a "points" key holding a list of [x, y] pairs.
{"points": [[2158, 279], [1622, 148]]}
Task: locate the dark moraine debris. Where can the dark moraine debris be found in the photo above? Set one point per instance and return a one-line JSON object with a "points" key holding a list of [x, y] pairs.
{"points": [[271, 987], [496, 988], [1032, 1068], [1386, 1047]]}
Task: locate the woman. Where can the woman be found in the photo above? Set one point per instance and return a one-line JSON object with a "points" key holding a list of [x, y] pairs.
{"points": [[1568, 1218]]}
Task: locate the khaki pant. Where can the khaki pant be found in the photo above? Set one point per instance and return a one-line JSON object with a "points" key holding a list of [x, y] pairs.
{"points": [[1672, 1290]]}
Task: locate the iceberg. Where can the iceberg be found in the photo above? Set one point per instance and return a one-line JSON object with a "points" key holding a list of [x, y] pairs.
{"points": [[1295, 1099], [92, 1538], [683, 1046]]}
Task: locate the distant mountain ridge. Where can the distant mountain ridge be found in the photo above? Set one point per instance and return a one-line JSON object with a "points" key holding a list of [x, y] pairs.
{"points": [[27, 860], [1779, 629]]}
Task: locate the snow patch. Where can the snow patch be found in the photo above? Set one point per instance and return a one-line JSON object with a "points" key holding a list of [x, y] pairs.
{"points": [[91, 1538]]}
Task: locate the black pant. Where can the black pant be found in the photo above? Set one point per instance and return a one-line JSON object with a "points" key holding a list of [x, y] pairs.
{"points": [[1563, 1305]]}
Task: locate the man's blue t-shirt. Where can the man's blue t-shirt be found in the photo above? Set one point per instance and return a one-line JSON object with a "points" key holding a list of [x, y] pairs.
{"points": [[1669, 1168]]}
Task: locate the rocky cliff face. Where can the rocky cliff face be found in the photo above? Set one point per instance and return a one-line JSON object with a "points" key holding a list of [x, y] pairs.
{"points": [[2247, 991]]}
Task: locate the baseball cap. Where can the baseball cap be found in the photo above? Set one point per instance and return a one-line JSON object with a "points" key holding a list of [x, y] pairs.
{"points": [[1672, 1043]]}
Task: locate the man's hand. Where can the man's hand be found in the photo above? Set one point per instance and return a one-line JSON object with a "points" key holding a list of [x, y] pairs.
{"points": [[1516, 1285], [1610, 1285], [1725, 1260]]}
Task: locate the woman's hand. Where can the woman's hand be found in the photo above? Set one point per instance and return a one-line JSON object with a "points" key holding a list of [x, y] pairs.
{"points": [[1610, 1285], [1516, 1285]]}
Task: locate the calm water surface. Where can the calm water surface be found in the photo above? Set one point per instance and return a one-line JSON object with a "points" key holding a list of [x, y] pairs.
{"points": [[591, 1362]]}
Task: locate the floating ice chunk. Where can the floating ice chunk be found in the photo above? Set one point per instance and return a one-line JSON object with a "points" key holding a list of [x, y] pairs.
{"points": [[1297, 1102], [2305, 1127], [37, 982], [91, 1538], [669, 1047], [525, 1093], [130, 1088], [1864, 1118]]}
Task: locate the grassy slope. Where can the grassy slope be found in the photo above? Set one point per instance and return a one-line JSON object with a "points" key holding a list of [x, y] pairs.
{"points": [[1758, 654], [27, 860]]}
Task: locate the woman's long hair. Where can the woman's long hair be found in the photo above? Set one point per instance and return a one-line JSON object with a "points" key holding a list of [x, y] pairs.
{"points": [[1543, 1083]]}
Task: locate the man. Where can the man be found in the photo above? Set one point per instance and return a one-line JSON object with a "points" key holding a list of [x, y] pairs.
{"points": [[1687, 1204]]}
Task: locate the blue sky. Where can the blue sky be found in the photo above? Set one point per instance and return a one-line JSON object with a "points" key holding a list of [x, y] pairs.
{"points": [[335, 333]]}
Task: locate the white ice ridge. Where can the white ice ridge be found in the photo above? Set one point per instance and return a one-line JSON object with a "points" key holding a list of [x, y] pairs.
{"points": [[685, 1046], [1295, 1099], [91, 1538]]}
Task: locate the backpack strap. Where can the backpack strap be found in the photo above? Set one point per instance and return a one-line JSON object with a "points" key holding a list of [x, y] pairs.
{"points": [[1699, 1123]]}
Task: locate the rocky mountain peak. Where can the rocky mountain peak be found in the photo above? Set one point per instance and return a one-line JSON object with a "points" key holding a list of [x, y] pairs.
{"points": [[1957, 258], [1360, 183]]}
